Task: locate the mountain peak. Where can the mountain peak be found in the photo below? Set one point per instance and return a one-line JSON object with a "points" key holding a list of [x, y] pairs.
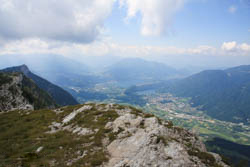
{"points": [[24, 68], [20, 93], [60, 96]]}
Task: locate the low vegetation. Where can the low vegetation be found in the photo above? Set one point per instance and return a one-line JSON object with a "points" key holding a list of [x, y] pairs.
{"points": [[4, 79], [22, 133], [43, 137], [205, 157], [36, 96]]}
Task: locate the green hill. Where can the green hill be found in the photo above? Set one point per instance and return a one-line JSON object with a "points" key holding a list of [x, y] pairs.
{"points": [[224, 94], [138, 71]]}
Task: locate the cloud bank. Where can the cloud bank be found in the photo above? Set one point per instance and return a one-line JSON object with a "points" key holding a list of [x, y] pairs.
{"points": [[234, 47], [63, 20], [106, 47], [79, 20]]}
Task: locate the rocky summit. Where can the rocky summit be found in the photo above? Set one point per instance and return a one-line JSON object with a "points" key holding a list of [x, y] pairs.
{"points": [[106, 135], [19, 92], [59, 95]]}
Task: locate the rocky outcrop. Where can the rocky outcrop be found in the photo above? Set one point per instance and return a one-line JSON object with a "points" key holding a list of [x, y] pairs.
{"points": [[135, 139], [152, 142], [59, 95], [17, 92], [11, 94], [104, 135]]}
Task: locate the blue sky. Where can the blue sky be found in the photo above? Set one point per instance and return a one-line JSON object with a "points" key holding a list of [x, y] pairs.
{"points": [[197, 23], [176, 31]]}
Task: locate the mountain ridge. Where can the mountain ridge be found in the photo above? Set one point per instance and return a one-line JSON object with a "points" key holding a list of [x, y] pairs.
{"points": [[98, 135], [221, 94], [19, 92], [224, 94], [136, 70], [60, 96]]}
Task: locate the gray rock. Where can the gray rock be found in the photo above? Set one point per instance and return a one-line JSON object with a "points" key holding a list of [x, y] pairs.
{"points": [[150, 143]]}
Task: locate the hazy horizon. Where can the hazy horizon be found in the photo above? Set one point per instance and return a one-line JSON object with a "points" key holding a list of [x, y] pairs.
{"points": [[180, 33]]}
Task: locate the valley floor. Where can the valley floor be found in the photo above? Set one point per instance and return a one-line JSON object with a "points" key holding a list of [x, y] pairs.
{"points": [[182, 114]]}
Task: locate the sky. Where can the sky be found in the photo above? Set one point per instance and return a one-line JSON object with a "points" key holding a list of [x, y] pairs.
{"points": [[178, 32]]}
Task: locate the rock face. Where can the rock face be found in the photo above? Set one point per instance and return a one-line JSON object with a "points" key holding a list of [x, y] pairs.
{"points": [[105, 135], [59, 95], [17, 92], [11, 95], [152, 142]]}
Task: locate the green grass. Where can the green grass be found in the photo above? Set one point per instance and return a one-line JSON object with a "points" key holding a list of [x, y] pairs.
{"points": [[22, 134], [4, 79]]}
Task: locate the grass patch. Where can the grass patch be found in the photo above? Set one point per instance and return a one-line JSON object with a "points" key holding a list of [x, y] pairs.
{"points": [[113, 135], [22, 134], [5, 79]]}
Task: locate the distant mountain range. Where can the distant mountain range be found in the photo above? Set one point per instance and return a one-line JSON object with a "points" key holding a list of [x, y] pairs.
{"points": [[224, 94], [89, 71], [45, 64], [60, 96], [138, 71], [57, 69]]}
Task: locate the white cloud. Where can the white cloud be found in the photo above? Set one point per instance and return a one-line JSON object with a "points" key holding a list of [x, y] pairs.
{"points": [[156, 15], [233, 48], [244, 47], [229, 46], [106, 47], [64, 20], [232, 9], [203, 50]]}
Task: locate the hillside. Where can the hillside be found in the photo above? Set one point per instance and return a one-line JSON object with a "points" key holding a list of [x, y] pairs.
{"points": [[19, 92], [137, 71], [224, 94], [238, 154], [60, 96], [98, 135]]}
